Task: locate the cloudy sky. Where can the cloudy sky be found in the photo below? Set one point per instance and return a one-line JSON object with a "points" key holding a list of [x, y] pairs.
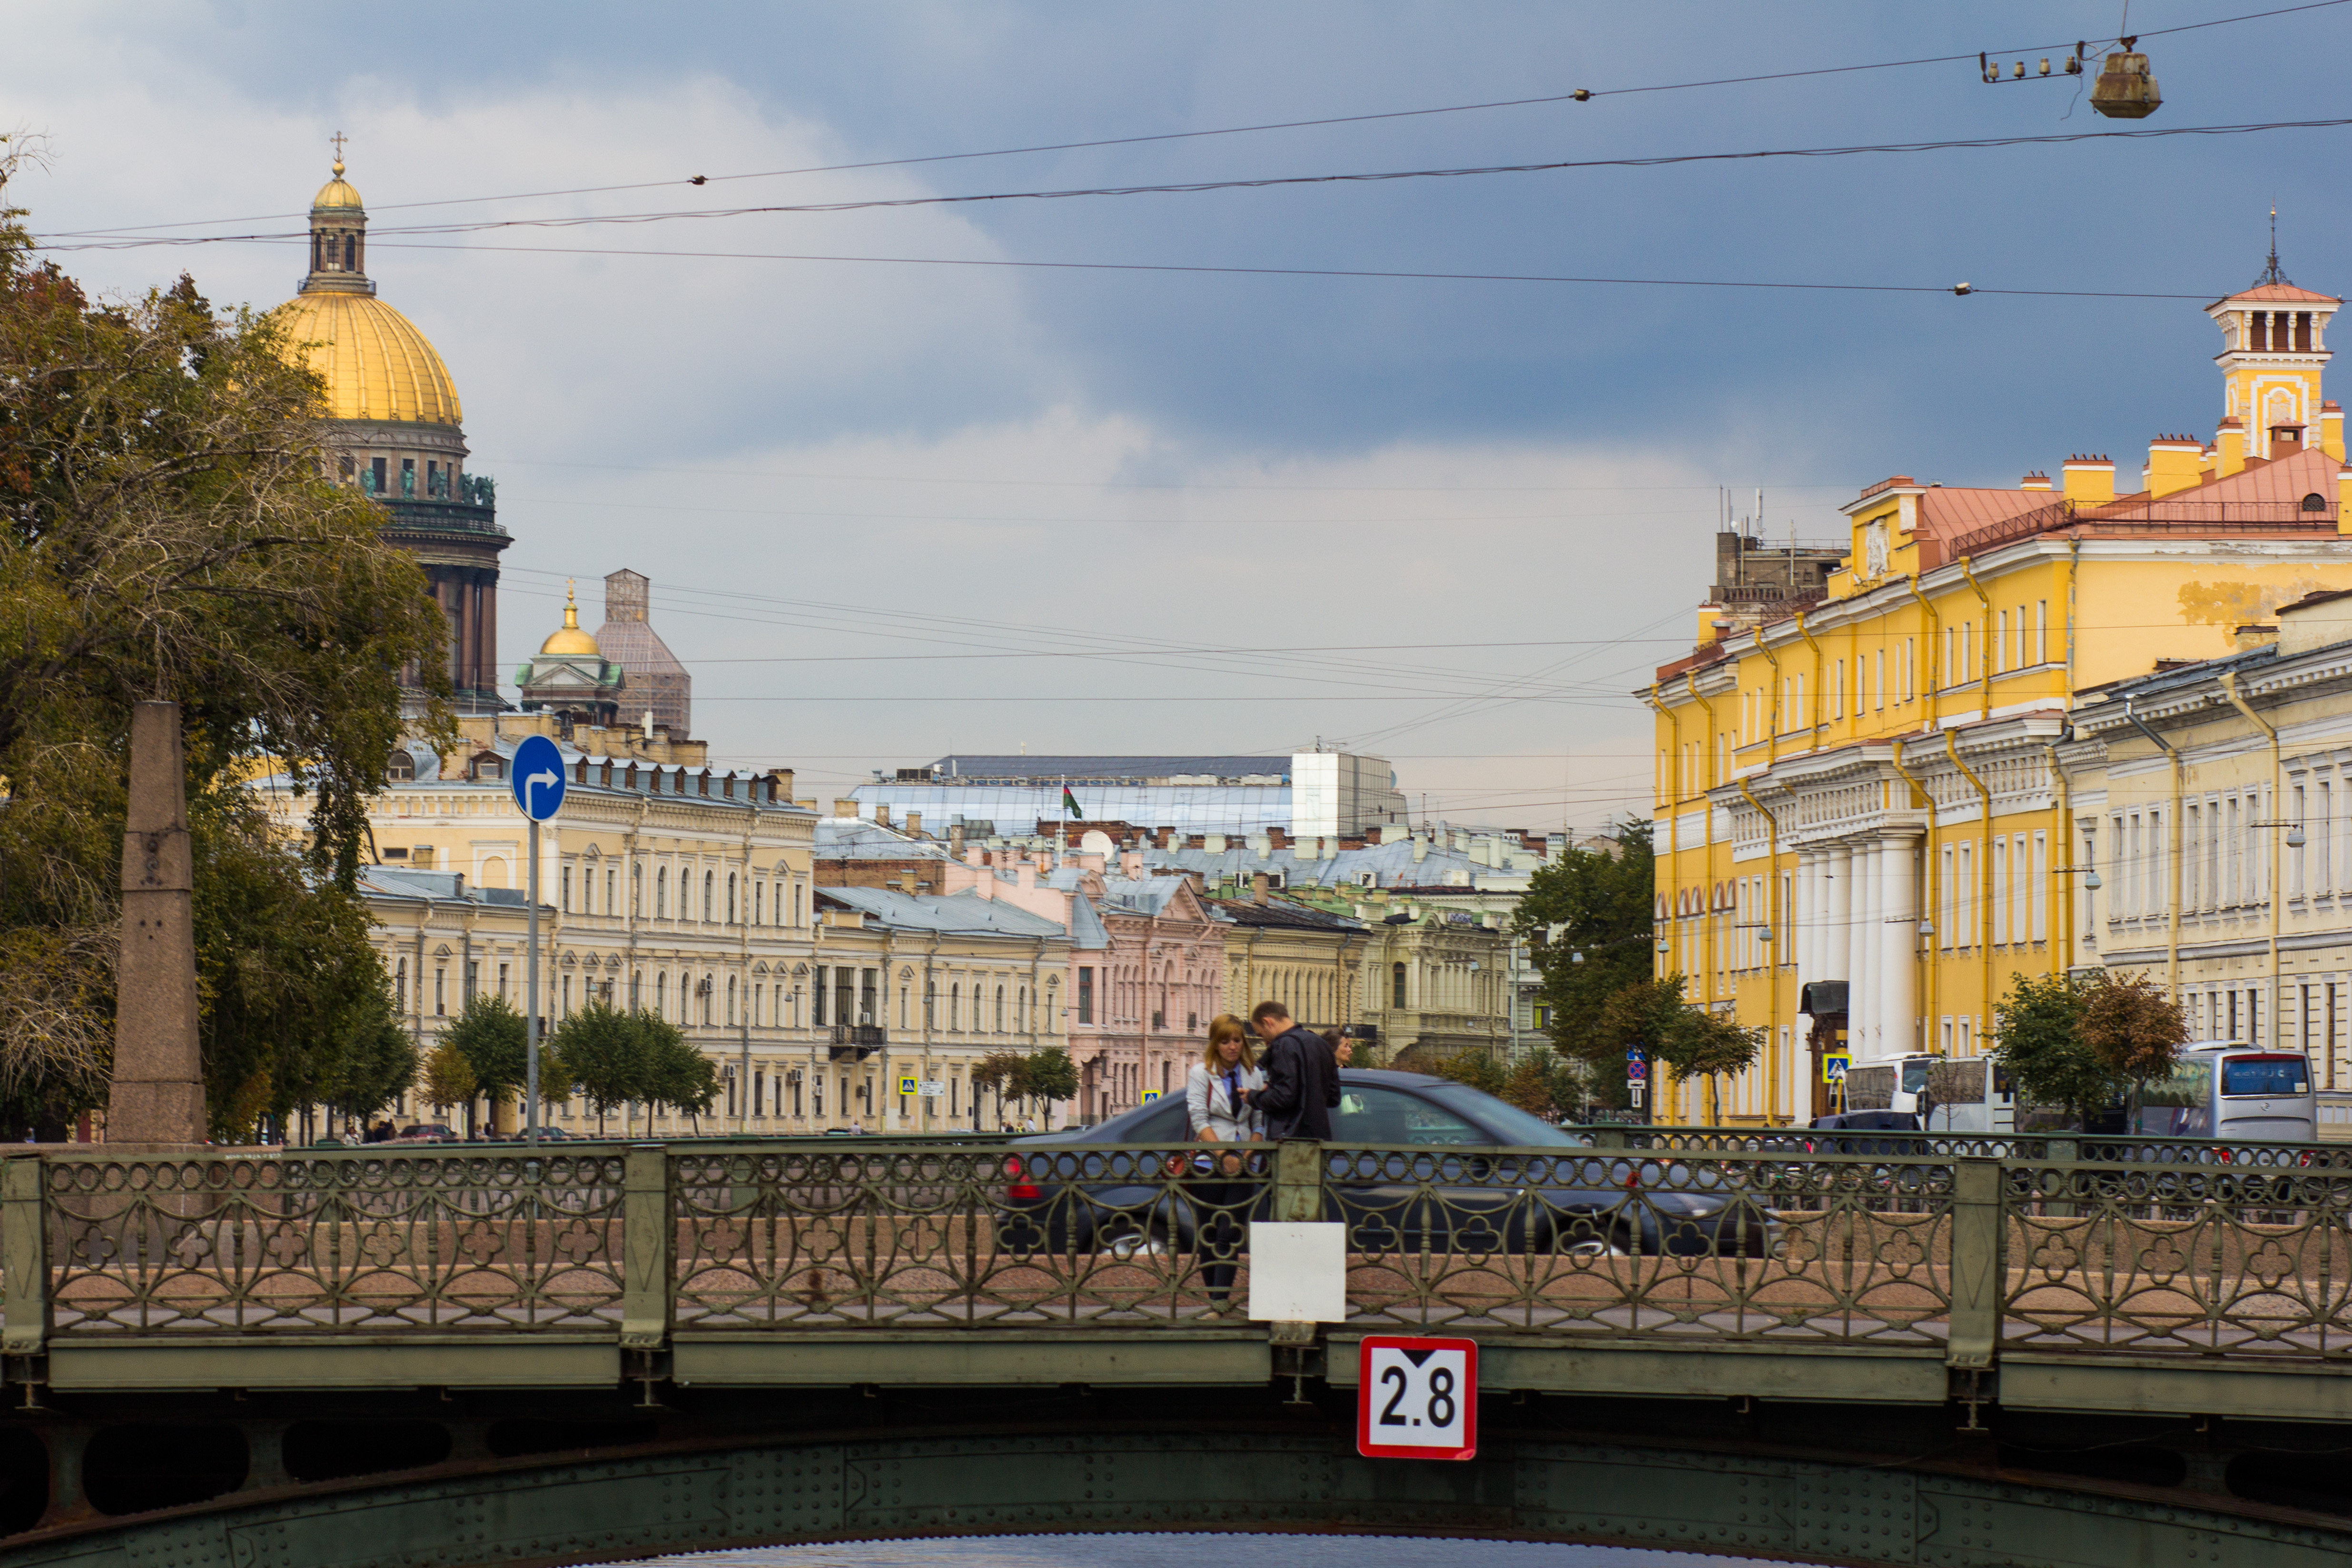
{"points": [[897, 507]]}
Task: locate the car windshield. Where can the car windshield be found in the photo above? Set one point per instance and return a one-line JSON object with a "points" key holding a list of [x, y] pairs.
{"points": [[1509, 1124], [2264, 1075]]}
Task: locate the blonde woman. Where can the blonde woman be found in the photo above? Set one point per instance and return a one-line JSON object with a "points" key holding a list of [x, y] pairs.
{"points": [[1217, 1090], [1217, 1094]]}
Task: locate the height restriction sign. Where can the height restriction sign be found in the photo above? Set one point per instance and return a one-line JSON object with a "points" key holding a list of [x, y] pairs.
{"points": [[1417, 1398]]}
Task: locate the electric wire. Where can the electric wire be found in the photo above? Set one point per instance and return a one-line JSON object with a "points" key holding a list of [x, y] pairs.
{"points": [[1252, 183], [1578, 95]]}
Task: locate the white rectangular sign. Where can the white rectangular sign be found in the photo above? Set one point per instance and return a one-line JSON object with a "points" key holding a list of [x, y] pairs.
{"points": [[1417, 1398], [1297, 1273]]}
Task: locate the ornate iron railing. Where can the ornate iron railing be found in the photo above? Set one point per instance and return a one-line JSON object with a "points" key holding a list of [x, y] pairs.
{"points": [[1961, 1245]]}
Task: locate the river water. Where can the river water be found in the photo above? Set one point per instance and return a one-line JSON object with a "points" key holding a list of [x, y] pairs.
{"points": [[1193, 1550]]}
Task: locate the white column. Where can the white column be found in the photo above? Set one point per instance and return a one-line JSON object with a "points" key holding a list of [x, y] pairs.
{"points": [[1837, 912], [1898, 942], [1807, 918], [1861, 955]]}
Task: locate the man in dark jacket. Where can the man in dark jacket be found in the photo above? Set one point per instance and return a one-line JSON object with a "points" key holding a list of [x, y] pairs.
{"points": [[1302, 1077]]}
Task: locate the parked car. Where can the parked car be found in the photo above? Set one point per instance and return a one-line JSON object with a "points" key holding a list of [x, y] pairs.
{"points": [[1072, 1190], [426, 1132]]}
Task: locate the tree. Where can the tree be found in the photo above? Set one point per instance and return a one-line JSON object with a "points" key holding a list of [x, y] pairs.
{"points": [[1476, 1068], [1589, 918], [169, 529], [377, 1061], [447, 1080], [1046, 1074], [2040, 1043], [675, 1073], [491, 1035], [600, 1050], [2135, 1030], [1703, 1044]]}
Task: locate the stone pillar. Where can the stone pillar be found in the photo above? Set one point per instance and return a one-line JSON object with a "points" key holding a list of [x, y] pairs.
{"points": [[1837, 912], [1808, 920], [158, 1090], [1898, 946], [1862, 956]]}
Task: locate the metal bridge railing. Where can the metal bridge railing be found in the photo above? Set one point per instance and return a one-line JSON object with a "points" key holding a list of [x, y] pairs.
{"points": [[1963, 1246]]}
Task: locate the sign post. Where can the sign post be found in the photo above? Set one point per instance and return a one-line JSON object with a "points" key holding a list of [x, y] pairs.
{"points": [[536, 781], [1417, 1398], [1637, 1076]]}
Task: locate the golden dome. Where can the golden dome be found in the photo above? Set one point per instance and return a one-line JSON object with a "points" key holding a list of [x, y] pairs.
{"points": [[571, 640], [335, 192], [376, 364]]}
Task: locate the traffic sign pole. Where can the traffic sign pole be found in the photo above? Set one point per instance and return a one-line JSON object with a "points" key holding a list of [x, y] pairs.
{"points": [[536, 780], [530, 1012]]}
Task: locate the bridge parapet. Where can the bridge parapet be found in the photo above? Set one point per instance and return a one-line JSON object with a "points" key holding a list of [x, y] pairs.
{"points": [[709, 1259]]}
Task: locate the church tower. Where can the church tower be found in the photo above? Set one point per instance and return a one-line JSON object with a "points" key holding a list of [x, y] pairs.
{"points": [[2274, 347], [397, 417]]}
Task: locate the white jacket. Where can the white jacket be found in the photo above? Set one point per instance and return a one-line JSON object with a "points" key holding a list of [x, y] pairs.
{"points": [[1207, 1104]]}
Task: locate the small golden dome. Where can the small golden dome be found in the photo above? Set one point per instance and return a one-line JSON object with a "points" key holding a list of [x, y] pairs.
{"points": [[336, 192], [571, 640], [376, 364]]}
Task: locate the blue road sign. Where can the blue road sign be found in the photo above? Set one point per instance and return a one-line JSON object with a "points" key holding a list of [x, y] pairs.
{"points": [[537, 779]]}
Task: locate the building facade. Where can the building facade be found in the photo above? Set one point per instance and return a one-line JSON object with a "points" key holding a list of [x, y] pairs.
{"points": [[2212, 800], [1865, 792], [1310, 961]]}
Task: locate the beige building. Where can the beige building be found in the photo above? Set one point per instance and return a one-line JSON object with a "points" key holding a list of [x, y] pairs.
{"points": [[1310, 961], [2211, 799]]}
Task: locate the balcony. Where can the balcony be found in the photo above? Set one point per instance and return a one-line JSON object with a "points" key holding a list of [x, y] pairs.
{"points": [[856, 1041]]}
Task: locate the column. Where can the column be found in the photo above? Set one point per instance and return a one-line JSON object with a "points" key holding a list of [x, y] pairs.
{"points": [[1861, 958], [1898, 942]]}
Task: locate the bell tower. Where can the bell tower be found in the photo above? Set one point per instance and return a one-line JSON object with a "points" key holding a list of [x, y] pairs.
{"points": [[2274, 347]]}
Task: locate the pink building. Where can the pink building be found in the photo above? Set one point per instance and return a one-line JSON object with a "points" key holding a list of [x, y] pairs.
{"points": [[1147, 967]]}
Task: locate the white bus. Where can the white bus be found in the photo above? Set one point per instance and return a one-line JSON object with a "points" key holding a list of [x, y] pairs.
{"points": [[1956, 1093], [2224, 1088]]}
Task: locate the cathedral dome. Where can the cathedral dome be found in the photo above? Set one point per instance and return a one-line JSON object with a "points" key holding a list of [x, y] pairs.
{"points": [[376, 364], [569, 640], [335, 192]]}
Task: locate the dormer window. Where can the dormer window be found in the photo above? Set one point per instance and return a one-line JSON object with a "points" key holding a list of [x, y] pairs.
{"points": [[2314, 502], [488, 765], [401, 768]]}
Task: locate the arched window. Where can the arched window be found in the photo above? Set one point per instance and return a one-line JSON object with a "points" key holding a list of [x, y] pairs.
{"points": [[661, 893], [1396, 985], [710, 893], [661, 996], [709, 987], [955, 1008], [731, 1001], [2314, 502], [1021, 1019], [730, 898]]}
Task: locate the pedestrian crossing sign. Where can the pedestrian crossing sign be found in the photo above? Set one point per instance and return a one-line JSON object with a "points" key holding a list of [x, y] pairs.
{"points": [[909, 1084], [1833, 1067], [1150, 1095]]}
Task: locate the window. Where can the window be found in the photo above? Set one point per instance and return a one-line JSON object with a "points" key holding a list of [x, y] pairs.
{"points": [[730, 898], [566, 880], [2040, 887], [2000, 641], [400, 986], [440, 992], [758, 903], [1837, 689], [2041, 631], [661, 893], [709, 894], [731, 1001], [999, 1009], [1966, 889], [1999, 891], [955, 1008], [611, 891], [661, 996], [1396, 985], [1085, 993]]}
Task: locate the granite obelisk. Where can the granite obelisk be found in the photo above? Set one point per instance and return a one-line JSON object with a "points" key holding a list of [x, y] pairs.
{"points": [[158, 1093]]}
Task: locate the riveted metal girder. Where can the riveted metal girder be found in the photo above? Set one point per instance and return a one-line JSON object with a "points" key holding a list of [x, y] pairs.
{"points": [[994, 1483]]}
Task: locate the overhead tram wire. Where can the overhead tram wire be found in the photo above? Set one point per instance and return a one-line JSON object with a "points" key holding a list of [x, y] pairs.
{"points": [[1578, 96], [1255, 182]]}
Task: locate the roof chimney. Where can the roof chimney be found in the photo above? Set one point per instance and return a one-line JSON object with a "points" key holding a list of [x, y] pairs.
{"points": [[882, 813], [2037, 480], [914, 824], [2174, 463], [1258, 886], [843, 808], [2090, 479]]}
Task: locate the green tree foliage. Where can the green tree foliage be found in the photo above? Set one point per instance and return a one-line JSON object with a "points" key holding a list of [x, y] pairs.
{"points": [[2039, 1042], [1599, 904], [168, 531], [377, 1061], [1046, 1074], [597, 1050], [447, 1080], [490, 1034], [1476, 1068], [675, 1075], [2135, 1030], [1688, 1042]]}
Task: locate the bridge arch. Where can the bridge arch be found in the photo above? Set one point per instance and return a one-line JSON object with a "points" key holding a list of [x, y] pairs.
{"points": [[706, 1491]]}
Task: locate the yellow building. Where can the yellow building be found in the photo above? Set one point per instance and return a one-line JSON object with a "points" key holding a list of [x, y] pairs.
{"points": [[1862, 790]]}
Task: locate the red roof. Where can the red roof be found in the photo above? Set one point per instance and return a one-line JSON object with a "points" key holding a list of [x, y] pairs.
{"points": [[2278, 294], [2284, 481], [1946, 513]]}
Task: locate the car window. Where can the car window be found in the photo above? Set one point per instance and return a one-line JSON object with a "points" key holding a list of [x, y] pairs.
{"points": [[1368, 1115], [1507, 1122], [1162, 1124]]}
